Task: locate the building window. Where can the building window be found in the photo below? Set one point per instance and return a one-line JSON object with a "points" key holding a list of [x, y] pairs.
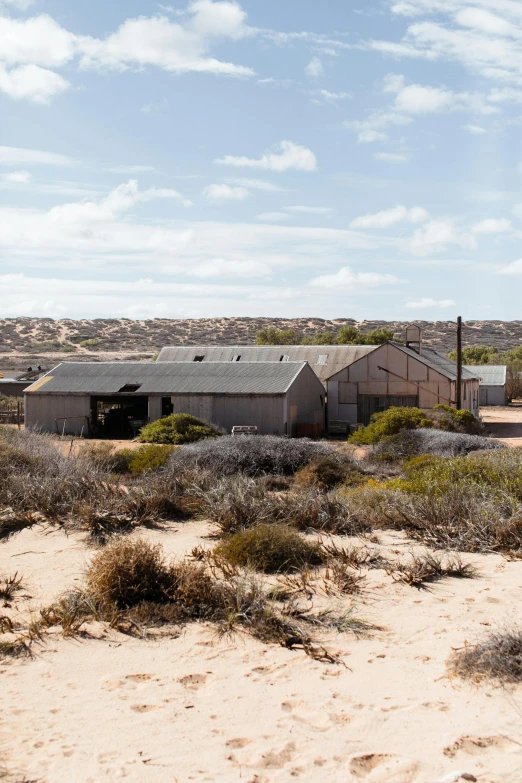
{"points": [[284, 358], [198, 358], [236, 358]]}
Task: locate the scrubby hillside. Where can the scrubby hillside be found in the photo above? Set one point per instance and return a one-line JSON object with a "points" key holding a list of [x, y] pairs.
{"points": [[43, 340]]}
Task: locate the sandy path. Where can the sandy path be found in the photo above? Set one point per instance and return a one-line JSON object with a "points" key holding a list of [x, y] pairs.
{"points": [[504, 423], [195, 708]]}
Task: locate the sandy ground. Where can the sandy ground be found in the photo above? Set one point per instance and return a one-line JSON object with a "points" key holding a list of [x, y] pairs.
{"points": [[111, 707], [504, 423]]}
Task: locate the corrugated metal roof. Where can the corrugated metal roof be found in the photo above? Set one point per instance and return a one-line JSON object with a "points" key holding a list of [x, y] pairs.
{"points": [[489, 374], [169, 378], [337, 356], [436, 361]]}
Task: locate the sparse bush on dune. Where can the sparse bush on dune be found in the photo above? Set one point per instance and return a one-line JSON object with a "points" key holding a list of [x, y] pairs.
{"points": [[329, 471], [395, 420], [252, 455], [178, 428], [412, 443], [270, 548], [498, 657]]}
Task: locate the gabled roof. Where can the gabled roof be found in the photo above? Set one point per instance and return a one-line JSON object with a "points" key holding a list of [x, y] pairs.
{"points": [[325, 360], [438, 362], [169, 378], [489, 374]]}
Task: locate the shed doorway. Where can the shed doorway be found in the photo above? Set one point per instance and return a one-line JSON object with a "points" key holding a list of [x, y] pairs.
{"points": [[118, 417], [368, 404], [483, 393]]}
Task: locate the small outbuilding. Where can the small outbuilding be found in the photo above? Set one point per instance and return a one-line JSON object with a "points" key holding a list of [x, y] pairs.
{"points": [[115, 399], [493, 383]]}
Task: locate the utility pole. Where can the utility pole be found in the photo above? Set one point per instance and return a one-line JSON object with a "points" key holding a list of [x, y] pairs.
{"points": [[459, 363]]}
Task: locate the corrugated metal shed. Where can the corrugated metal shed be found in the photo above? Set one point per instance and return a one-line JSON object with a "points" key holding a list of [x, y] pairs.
{"points": [[325, 360], [489, 374], [169, 378], [436, 361]]}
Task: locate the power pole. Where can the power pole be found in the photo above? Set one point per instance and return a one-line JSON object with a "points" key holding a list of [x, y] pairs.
{"points": [[459, 363]]}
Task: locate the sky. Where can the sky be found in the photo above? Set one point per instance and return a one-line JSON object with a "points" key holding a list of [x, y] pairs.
{"points": [[281, 158]]}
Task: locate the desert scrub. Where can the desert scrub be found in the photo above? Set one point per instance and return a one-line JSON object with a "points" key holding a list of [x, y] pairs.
{"points": [[178, 428], [498, 657], [270, 549], [146, 458], [429, 567], [413, 443], [394, 420], [253, 455], [329, 471], [131, 585]]}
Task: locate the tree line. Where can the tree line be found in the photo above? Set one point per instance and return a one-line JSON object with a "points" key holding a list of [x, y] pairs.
{"points": [[346, 335]]}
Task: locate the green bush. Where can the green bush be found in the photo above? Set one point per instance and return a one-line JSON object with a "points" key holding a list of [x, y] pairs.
{"points": [[270, 549], [149, 457], [176, 429], [390, 422]]}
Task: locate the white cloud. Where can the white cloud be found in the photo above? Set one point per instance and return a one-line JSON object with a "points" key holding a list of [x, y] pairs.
{"points": [[372, 129], [314, 69], [38, 40], [514, 268], [256, 184], [477, 130], [304, 210], [391, 157], [393, 82], [291, 156], [32, 83], [326, 96], [437, 235], [16, 177], [220, 267], [225, 193], [179, 47], [390, 217], [492, 226], [346, 279], [418, 99], [18, 156], [426, 302]]}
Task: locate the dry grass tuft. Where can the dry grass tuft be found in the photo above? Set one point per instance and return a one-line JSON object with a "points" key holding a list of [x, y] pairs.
{"points": [[8, 587], [429, 567], [498, 657], [270, 549], [14, 648]]}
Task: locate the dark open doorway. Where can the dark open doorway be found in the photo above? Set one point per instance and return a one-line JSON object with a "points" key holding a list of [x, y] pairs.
{"points": [[118, 417]]}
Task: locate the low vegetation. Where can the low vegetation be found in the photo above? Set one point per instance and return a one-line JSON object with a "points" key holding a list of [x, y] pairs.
{"points": [[395, 420], [346, 335], [270, 549], [176, 429], [498, 657], [407, 444]]}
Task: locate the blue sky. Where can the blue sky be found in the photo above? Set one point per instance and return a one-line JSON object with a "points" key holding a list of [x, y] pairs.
{"points": [[265, 158]]}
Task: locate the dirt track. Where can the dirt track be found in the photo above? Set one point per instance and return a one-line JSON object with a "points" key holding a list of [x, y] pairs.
{"points": [[504, 423]]}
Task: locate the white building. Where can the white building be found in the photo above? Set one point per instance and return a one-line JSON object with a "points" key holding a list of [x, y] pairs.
{"points": [[493, 383]]}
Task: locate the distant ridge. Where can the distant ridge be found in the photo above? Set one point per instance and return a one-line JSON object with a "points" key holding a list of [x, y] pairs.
{"points": [[26, 341]]}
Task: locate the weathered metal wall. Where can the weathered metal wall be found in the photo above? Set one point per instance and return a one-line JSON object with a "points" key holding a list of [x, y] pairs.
{"points": [[306, 401], [408, 377], [493, 395], [266, 412], [42, 411]]}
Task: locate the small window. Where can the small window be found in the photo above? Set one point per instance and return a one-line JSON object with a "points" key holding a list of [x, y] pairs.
{"points": [[284, 358], [322, 358], [236, 358], [130, 387], [198, 358]]}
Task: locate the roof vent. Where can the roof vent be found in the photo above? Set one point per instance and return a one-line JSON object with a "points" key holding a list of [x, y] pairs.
{"points": [[284, 358], [198, 358], [414, 338], [322, 358], [130, 387]]}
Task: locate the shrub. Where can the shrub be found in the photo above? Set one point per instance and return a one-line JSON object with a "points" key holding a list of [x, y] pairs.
{"points": [[497, 657], [147, 458], [390, 422], [239, 503], [394, 420], [128, 572], [430, 568], [176, 429], [329, 471], [412, 443], [253, 455], [269, 548]]}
